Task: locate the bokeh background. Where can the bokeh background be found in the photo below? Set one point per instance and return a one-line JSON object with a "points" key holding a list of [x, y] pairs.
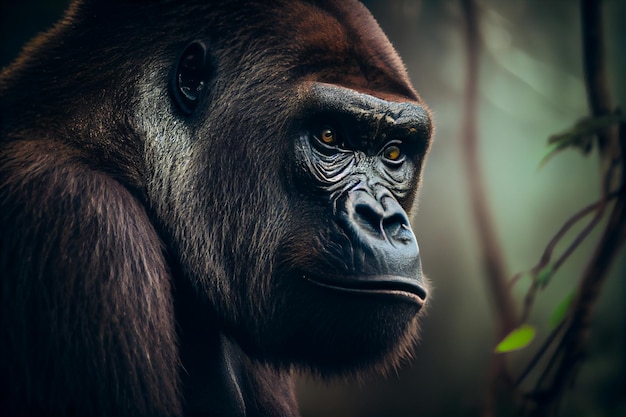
{"points": [[530, 87]]}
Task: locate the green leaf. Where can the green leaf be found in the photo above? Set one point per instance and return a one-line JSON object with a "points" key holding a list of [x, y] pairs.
{"points": [[517, 339], [561, 310], [553, 149], [543, 276], [581, 135]]}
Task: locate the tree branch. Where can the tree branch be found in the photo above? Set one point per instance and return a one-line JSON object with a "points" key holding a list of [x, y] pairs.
{"points": [[491, 253], [594, 64]]}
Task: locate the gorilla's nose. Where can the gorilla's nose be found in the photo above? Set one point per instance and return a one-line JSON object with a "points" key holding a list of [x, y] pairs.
{"points": [[382, 241], [384, 219]]}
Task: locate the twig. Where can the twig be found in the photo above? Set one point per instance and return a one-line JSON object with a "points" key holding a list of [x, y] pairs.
{"points": [[537, 357], [599, 207], [592, 224]]}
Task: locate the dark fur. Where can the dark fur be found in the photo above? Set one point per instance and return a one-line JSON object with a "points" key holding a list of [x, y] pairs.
{"points": [[147, 256]]}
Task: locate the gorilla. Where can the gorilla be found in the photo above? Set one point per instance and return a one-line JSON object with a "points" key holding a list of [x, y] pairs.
{"points": [[200, 198]]}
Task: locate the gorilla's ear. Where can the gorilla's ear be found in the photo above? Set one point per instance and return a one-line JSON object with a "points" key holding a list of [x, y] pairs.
{"points": [[190, 77]]}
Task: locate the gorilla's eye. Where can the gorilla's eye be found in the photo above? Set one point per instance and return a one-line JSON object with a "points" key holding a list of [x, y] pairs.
{"points": [[192, 72], [392, 153], [328, 136]]}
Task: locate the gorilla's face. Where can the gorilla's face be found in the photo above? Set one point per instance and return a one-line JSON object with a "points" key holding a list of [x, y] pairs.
{"points": [[304, 143], [348, 273]]}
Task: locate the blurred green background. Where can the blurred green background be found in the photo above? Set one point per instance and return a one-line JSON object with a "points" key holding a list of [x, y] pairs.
{"points": [[530, 87]]}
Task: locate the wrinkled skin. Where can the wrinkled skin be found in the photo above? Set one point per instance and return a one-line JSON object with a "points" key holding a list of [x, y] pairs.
{"points": [[198, 198]]}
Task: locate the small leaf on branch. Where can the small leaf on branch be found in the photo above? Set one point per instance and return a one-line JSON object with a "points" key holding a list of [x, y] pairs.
{"points": [[518, 339], [561, 310], [543, 276], [581, 135]]}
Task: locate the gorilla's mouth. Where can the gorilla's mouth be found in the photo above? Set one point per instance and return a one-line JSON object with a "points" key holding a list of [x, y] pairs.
{"points": [[390, 285]]}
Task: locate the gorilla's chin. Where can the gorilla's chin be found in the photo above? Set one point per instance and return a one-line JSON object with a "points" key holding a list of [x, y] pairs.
{"points": [[338, 331]]}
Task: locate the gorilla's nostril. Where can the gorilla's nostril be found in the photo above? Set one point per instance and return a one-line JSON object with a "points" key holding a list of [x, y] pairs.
{"points": [[396, 226], [369, 217]]}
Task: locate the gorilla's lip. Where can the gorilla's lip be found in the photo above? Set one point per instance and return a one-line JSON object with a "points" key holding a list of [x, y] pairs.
{"points": [[377, 284]]}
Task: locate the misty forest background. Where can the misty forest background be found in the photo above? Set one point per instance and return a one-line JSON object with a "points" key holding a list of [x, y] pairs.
{"points": [[530, 85]]}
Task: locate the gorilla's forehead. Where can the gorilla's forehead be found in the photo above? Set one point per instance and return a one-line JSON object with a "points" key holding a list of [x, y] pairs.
{"points": [[331, 41], [339, 42]]}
